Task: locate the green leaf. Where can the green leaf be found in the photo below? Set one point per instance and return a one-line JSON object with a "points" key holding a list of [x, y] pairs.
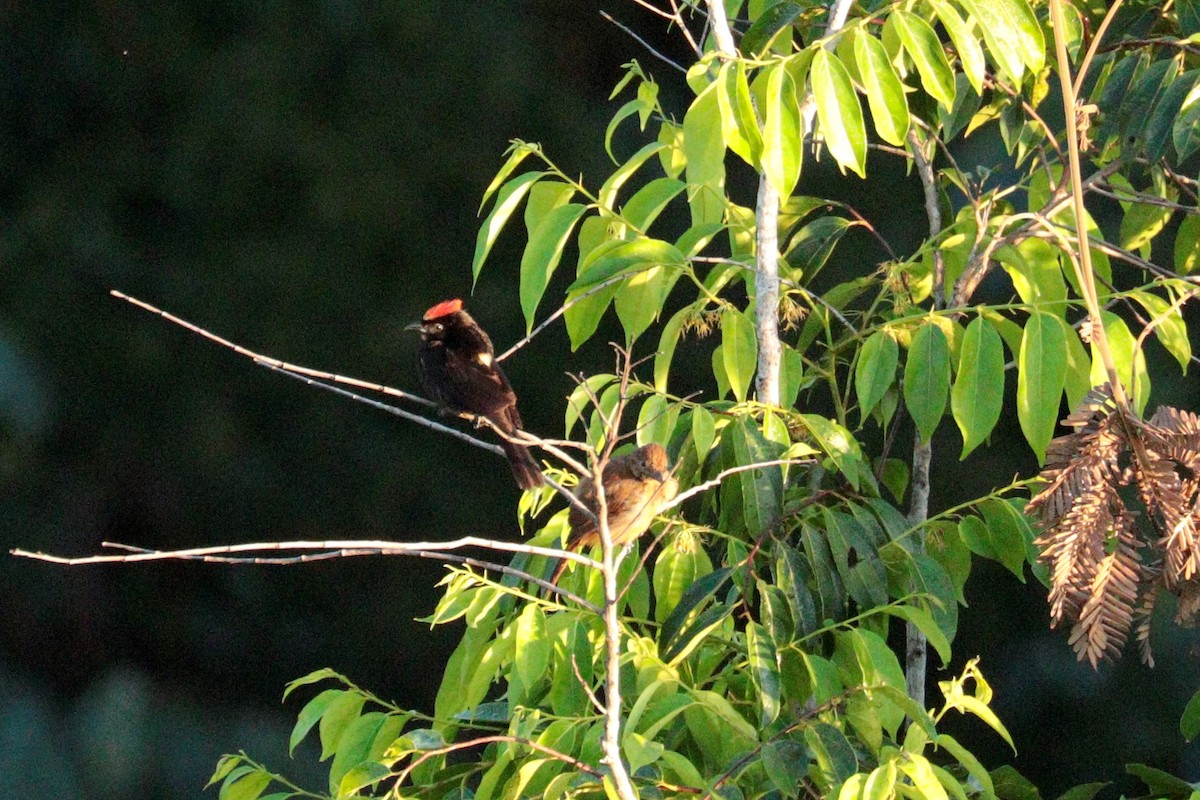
{"points": [[1129, 359], [640, 298], [1160, 126], [836, 442], [764, 671], [927, 378], [361, 777], [1185, 131], [640, 751], [923, 46], [839, 112], [1170, 328], [885, 93], [1161, 784], [1187, 242], [310, 715], [679, 627], [516, 154], [542, 254], [244, 786], [773, 21], [625, 258], [312, 677], [812, 245], [607, 196], [781, 153], [704, 149], [704, 429], [361, 738], [580, 399], [676, 569], [923, 621], [762, 488], [1189, 16], [510, 196], [1041, 375], [739, 127], [649, 201], [978, 392], [1009, 534], [533, 651], [1013, 36], [587, 306], [739, 350], [966, 43], [875, 371], [340, 712], [1084, 791]]}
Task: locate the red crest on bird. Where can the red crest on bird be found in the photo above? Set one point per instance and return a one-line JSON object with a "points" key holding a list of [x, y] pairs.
{"points": [[442, 309]]}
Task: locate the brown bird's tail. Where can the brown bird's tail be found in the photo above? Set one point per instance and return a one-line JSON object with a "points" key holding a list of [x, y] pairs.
{"points": [[524, 468]]}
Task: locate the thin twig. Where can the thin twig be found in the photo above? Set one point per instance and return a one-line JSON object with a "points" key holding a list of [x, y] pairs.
{"points": [[725, 473], [368, 546], [643, 43], [604, 284]]}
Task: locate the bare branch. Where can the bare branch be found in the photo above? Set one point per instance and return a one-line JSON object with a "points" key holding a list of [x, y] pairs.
{"points": [[643, 43], [725, 473], [348, 547]]}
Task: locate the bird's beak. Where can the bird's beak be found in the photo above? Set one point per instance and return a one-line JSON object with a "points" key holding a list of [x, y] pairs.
{"points": [[658, 476], [416, 326]]}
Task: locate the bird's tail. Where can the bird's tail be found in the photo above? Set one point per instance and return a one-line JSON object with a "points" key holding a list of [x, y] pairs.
{"points": [[524, 468]]}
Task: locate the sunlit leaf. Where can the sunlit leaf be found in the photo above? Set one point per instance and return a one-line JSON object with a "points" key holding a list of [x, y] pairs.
{"points": [[1041, 374], [927, 378], [839, 112]]}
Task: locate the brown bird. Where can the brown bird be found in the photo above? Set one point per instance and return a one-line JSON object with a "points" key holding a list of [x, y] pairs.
{"points": [[458, 367], [636, 487]]}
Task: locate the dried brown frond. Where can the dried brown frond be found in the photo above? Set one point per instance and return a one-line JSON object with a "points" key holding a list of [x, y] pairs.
{"points": [[1107, 615], [1091, 538]]}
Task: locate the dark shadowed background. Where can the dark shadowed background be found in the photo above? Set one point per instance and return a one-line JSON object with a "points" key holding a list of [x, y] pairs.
{"points": [[303, 178]]}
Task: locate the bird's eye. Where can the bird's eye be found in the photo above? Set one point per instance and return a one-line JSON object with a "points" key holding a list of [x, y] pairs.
{"points": [[437, 327]]}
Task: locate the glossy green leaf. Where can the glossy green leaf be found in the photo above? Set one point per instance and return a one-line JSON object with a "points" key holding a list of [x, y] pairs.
{"points": [[703, 431], [510, 196], [639, 299], [1012, 33], [966, 43], [1187, 245], [781, 144], [516, 154], [340, 712], [1009, 534], [1129, 359], [927, 378], [811, 246], [533, 651], [739, 126], [923, 47], [246, 785], [839, 112], [762, 488], [770, 24], [704, 149], [1041, 375], [875, 371], [885, 93], [764, 671], [675, 570], [667, 341], [310, 715], [649, 201], [587, 305], [739, 350], [978, 393], [1079, 367], [1189, 723], [360, 777], [1170, 329], [607, 196], [1162, 784], [1185, 131], [1160, 127], [625, 258], [542, 254], [372, 731]]}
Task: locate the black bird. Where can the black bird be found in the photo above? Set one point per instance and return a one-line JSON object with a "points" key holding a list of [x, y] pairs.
{"points": [[457, 365]]}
